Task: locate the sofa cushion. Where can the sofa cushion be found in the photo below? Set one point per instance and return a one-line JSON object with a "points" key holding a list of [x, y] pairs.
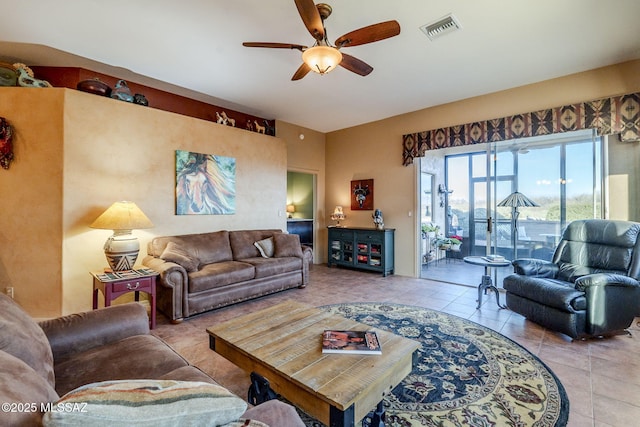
{"points": [[23, 338], [112, 362], [173, 252], [22, 385], [206, 247], [265, 247], [287, 245], [242, 242], [153, 403], [220, 274], [267, 267]]}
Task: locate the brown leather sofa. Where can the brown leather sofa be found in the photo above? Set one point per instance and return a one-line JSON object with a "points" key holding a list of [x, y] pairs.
{"points": [[40, 362], [201, 272]]}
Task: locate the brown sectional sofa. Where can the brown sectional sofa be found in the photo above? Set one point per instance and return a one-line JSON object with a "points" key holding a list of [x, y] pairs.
{"points": [[40, 362], [201, 272]]}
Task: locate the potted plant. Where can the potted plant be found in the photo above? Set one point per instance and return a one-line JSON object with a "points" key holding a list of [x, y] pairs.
{"points": [[430, 230], [456, 242]]}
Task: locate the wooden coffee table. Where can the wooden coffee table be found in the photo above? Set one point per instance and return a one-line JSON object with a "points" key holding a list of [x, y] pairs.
{"points": [[283, 344]]}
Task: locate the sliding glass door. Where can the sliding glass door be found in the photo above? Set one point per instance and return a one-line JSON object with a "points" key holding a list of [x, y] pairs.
{"points": [[560, 175]]}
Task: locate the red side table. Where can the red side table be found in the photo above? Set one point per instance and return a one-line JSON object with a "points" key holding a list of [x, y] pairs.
{"points": [[114, 284]]}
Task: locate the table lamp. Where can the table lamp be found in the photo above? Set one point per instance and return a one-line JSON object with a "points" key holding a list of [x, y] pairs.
{"points": [[122, 248], [338, 215], [291, 209]]}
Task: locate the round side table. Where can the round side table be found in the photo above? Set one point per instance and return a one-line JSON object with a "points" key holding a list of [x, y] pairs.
{"points": [[487, 283]]}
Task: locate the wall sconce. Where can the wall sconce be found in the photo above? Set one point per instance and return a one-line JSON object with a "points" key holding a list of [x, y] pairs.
{"points": [[290, 211], [443, 192]]}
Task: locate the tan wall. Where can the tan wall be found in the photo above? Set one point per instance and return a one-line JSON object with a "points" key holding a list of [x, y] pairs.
{"points": [[374, 150], [112, 151], [31, 208]]}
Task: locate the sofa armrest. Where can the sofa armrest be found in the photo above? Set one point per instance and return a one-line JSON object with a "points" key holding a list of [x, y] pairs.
{"points": [[171, 288], [535, 268], [605, 279], [79, 332], [307, 260], [612, 301]]}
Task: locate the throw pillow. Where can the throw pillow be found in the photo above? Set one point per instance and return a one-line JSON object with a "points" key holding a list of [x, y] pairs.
{"points": [[265, 246], [153, 403], [176, 253], [287, 245]]}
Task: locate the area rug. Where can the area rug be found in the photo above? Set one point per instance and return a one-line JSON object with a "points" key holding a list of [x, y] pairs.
{"points": [[464, 374]]}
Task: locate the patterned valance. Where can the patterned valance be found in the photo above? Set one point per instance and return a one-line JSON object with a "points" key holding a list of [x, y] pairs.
{"points": [[618, 114]]}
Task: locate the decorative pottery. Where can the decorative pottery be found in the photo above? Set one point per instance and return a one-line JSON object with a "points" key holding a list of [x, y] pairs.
{"points": [[140, 99], [94, 86], [122, 92], [8, 75]]}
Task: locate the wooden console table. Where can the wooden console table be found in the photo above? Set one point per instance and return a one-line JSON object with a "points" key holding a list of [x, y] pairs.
{"points": [[362, 248]]}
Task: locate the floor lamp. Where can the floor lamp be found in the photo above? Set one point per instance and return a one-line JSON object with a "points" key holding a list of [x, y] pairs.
{"points": [[516, 200]]}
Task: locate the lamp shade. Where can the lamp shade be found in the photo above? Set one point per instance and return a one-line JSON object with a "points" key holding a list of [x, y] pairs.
{"points": [[322, 59], [122, 248], [122, 216], [517, 200], [291, 208]]}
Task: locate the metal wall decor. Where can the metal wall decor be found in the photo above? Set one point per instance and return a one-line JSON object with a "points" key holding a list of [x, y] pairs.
{"points": [[362, 195]]}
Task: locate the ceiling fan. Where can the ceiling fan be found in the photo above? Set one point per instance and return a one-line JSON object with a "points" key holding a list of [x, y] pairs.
{"points": [[323, 57]]}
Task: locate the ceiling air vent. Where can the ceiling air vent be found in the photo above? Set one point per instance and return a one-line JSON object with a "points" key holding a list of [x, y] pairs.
{"points": [[441, 27]]}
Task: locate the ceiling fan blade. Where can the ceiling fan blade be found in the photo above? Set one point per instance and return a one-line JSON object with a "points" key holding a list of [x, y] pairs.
{"points": [[370, 34], [274, 45], [311, 18], [355, 65], [302, 71]]}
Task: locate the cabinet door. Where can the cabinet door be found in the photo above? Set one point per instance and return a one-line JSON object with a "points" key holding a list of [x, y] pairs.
{"points": [[341, 250], [370, 248]]}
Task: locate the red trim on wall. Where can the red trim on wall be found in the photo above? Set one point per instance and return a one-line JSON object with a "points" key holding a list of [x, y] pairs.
{"points": [[70, 76]]}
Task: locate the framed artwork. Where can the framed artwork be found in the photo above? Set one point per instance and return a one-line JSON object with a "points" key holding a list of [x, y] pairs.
{"points": [[362, 195], [205, 184]]}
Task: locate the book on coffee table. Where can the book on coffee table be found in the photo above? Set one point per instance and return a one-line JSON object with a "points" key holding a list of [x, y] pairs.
{"points": [[350, 342]]}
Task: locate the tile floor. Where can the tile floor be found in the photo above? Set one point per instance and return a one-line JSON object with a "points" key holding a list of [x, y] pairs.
{"points": [[602, 377]]}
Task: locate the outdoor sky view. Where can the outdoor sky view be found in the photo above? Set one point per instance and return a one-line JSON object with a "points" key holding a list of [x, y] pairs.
{"points": [[558, 174]]}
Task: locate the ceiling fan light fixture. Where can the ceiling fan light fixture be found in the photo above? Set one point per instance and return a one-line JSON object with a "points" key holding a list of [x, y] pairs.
{"points": [[322, 59]]}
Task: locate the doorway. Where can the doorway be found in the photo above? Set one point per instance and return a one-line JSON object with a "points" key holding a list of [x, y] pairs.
{"points": [[561, 174], [301, 206]]}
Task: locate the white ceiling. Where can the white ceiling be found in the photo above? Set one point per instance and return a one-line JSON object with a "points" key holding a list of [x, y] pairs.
{"points": [[194, 48]]}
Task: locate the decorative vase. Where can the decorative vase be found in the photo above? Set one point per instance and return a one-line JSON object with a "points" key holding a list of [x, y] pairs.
{"points": [[140, 99], [94, 86], [122, 92], [8, 75]]}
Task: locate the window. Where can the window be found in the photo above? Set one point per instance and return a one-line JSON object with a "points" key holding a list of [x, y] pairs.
{"points": [[562, 173]]}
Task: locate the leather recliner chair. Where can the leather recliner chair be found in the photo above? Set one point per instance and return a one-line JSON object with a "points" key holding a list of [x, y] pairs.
{"points": [[590, 287]]}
